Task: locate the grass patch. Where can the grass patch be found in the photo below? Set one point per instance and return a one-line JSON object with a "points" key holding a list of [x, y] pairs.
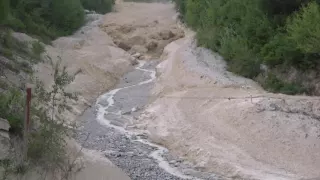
{"points": [[6, 53], [37, 49]]}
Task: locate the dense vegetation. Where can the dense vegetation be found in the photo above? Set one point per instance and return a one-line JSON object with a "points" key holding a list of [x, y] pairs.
{"points": [[48, 19], [248, 33]]}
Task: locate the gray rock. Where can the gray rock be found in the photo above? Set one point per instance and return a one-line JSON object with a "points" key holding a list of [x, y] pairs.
{"points": [[139, 49], [136, 55], [166, 34], [4, 139], [126, 112], [123, 46], [152, 45], [4, 125]]}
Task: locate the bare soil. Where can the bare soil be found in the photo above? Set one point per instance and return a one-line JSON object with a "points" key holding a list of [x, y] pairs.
{"points": [[227, 124]]}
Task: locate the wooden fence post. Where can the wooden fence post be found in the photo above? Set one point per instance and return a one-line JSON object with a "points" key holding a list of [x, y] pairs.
{"points": [[26, 122]]}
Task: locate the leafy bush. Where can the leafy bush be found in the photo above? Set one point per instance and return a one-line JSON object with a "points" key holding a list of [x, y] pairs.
{"points": [[11, 108], [280, 49], [48, 131], [273, 84], [47, 147], [37, 49], [67, 15], [6, 53], [304, 28], [100, 6], [46, 19], [236, 29], [49, 19], [15, 24]]}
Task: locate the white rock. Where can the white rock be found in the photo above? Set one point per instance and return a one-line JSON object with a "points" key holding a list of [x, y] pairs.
{"points": [[136, 55]]}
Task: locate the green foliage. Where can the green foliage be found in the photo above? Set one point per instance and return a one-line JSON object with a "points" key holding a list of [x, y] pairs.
{"points": [[15, 24], [4, 10], [273, 84], [48, 130], [238, 54], [47, 146], [49, 19], [7, 39], [236, 29], [11, 108], [67, 15], [37, 49], [13, 48], [46, 19], [100, 6], [278, 50], [248, 33], [304, 29], [6, 53]]}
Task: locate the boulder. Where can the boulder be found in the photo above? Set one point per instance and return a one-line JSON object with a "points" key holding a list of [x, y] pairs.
{"points": [[152, 45], [123, 45], [166, 34], [137, 55], [139, 49]]}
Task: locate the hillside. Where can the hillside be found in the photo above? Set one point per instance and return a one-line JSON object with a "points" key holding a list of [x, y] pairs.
{"points": [[273, 42]]}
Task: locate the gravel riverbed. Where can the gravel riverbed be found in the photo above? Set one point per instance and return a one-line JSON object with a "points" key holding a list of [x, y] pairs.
{"points": [[133, 153]]}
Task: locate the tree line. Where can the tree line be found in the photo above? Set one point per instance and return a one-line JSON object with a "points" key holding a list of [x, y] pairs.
{"points": [[48, 19]]}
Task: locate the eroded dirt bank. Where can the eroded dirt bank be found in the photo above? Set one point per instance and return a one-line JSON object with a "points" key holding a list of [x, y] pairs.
{"points": [[228, 124]]}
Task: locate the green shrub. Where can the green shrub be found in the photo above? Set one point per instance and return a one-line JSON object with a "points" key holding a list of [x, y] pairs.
{"points": [[100, 6], [280, 49], [37, 49], [235, 29], [273, 84], [11, 108], [7, 40], [304, 28], [236, 51], [193, 13], [67, 15], [6, 53], [46, 20], [15, 24]]}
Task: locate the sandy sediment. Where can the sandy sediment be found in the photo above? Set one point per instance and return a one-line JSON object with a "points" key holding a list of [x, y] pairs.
{"points": [[227, 124]]}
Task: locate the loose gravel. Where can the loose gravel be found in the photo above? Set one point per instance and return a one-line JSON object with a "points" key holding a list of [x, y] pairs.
{"points": [[127, 151]]}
